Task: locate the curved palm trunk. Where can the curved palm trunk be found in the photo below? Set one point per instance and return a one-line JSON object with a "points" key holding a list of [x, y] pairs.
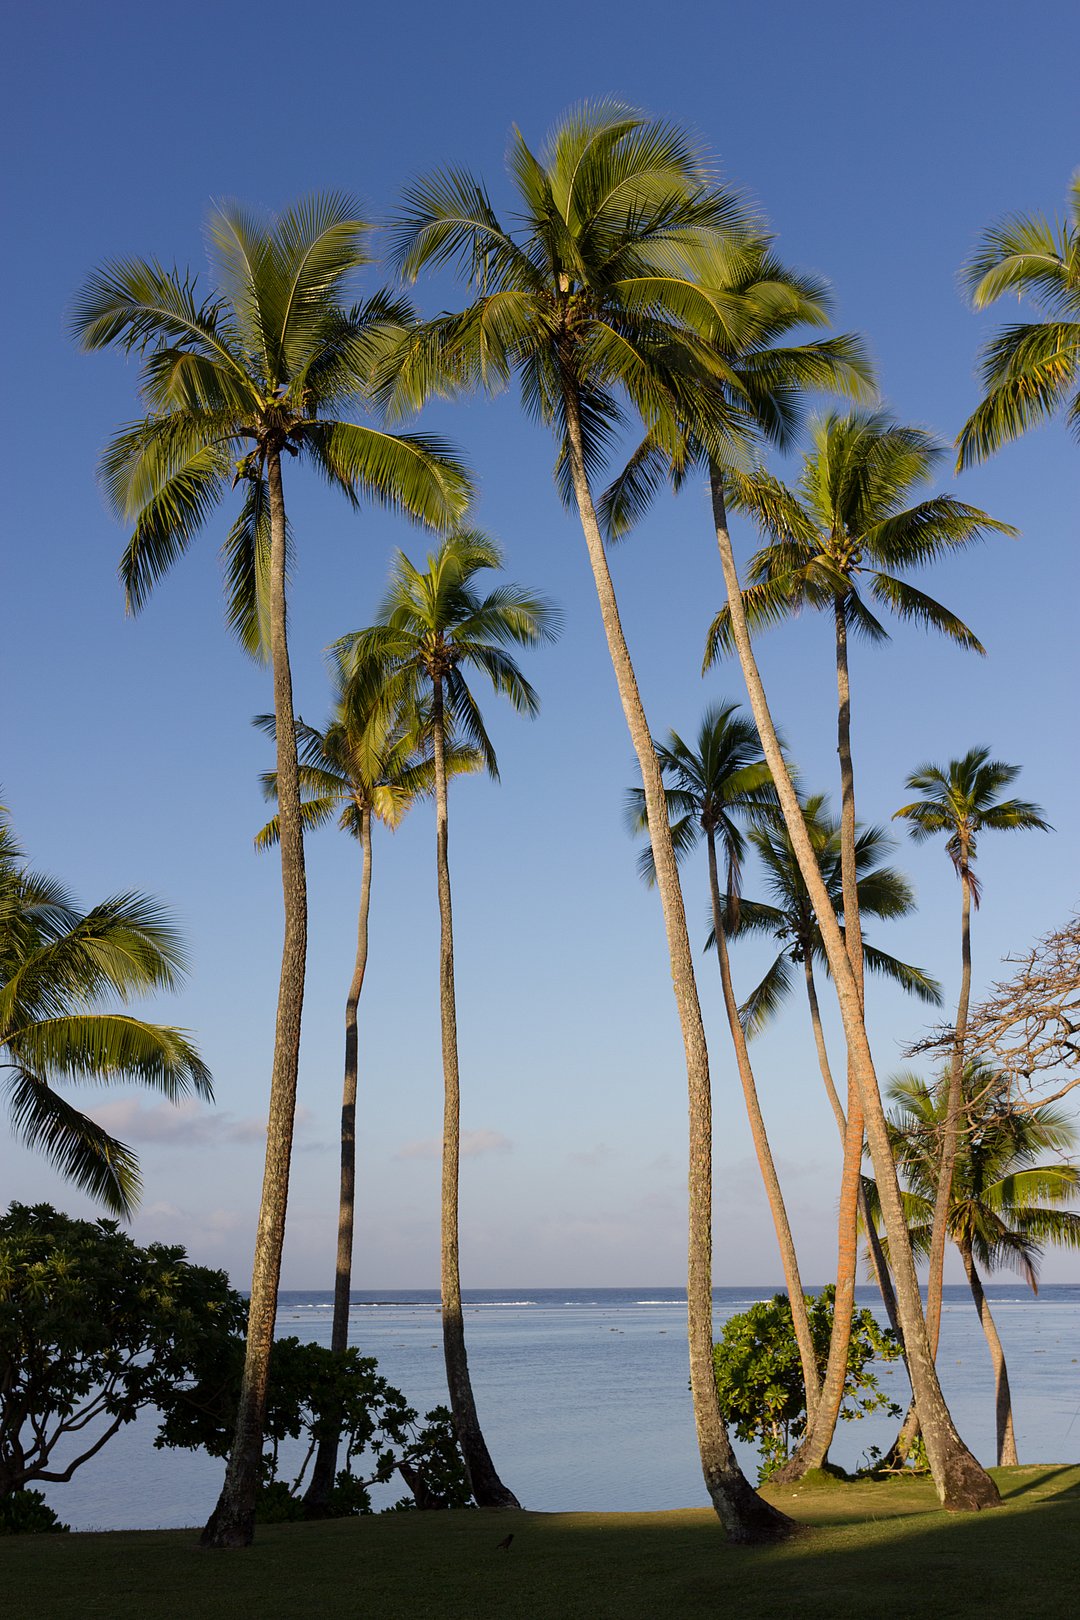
{"points": [[1006, 1436], [877, 1257], [788, 1257], [232, 1523], [745, 1515], [487, 1487], [951, 1132], [324, 1472], [961, 1482]]}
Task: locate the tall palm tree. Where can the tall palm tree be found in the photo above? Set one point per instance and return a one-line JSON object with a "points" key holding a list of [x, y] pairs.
{"points": [[846, 525], [56, 963], [431, 627], [1029, 369], [257, 370], [1004, 1202], [364, 768], [960, 801], [711, 786], [847, 519], [591, 302]]}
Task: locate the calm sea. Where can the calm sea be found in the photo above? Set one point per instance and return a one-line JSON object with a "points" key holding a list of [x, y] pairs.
{"points": [[584, 1400]]}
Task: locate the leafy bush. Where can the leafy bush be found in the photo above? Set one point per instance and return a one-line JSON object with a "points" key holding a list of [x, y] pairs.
{"points": [[759, 1375], [26, 1513]]}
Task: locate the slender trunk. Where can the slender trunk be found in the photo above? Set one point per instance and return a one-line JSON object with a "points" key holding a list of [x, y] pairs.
{"points": [[950, 1134], [745, 1515], [324, 1472], [487, 1487], [232, 1523], [961, 1482], [788, 1257], [848, 875], [1006, 1436], [877, 1257]]}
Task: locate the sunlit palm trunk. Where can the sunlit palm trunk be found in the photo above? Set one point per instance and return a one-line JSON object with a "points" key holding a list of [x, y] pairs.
{"points": [[961, 1482], [325, 1470], [877, 1257], [1006, 1436], [487, 1487], [784, 1238], [745, 1516], [951, 1132], [232, 1523]]}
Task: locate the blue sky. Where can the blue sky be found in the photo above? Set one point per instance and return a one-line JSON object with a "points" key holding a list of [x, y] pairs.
{"points": [[879, 141]]}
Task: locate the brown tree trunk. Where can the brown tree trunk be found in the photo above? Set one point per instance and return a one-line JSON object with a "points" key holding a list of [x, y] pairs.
{"points": [[1006, 1436], [786, 1242], [877, 1257], [232, 1523], [324, 1473], [961, 1482], [950, 1134], [487, 1487], [745, 1515]]}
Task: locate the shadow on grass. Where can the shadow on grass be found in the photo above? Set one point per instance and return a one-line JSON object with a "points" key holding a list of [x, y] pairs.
{"points": [[884, 1548]]}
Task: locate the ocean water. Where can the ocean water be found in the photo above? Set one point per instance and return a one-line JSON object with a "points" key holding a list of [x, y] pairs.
{"points": [[583, 1395]]}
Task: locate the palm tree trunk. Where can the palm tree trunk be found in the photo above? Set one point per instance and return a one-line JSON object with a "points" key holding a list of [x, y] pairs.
{"points": [[961, 1482], [788, 1257], [821, 1427], [487, 1487], [877, 1257], [232, 1523], [1006, 1436], [745, 1515], [324, 1472], [951, 1132]]}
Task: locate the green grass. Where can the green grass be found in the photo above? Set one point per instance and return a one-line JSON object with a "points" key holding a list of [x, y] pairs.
{"points": [[870, 1549]]}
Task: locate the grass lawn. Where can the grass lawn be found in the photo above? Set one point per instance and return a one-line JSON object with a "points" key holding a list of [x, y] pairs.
{"points": [[870, 1549]]}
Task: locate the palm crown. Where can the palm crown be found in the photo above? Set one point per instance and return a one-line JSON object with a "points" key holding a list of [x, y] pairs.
{"points": [[258, 368], [846, 523], [56, 963], [961, 801], [790, 918], [1029, 369], [1003, 1204], [434, 624]]}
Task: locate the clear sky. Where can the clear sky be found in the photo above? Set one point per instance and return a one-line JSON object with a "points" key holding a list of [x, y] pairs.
{"points": [[879, 140]]}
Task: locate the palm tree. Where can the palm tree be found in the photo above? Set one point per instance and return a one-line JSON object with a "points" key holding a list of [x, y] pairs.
{"points": [[845, 523], [56, 963], [1003, 1200], [432, 626], [847, 518], [710, 788], [961, 801], [592, 303], [1028, 369], [256, 370], [365, 767]]}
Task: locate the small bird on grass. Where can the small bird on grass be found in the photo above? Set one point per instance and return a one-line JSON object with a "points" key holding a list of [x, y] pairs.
{"points": [[504, 1544]]}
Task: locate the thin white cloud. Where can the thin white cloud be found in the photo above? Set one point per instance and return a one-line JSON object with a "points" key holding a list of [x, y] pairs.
{"points": [[599, 1153], [185, 1124]]}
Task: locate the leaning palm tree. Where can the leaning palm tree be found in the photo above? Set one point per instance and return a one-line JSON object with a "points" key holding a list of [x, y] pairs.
{"points": [[234, 382], [432, 626], [711, 786], [1004, 1201], [960, 801], [366, 767], [56, 964], [590, 302], [1029, 369]]}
